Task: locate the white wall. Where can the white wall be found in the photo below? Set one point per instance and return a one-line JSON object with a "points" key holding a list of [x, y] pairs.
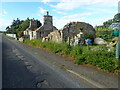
{"points": [[11, 35]]}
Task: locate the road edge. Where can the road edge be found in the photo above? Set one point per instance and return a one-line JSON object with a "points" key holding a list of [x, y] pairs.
{"points": [[0, 61]]}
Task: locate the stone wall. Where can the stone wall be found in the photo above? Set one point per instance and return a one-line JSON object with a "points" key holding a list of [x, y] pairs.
{"points": [[55, 36], [72, 32]]}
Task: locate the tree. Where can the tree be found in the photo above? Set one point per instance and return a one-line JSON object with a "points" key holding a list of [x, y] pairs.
{"points": [[38, 24], [106, 24], [117, 17], [7, 28], [17, 27]]}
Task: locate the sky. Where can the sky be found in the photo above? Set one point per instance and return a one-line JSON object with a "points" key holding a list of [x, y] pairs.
{"points": [[94, 12]]}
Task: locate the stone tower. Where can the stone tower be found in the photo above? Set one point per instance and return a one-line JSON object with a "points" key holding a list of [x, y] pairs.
{"points": [[48, 22], [47, 27]]}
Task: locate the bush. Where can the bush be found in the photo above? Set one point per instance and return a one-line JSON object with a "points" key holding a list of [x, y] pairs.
{"points": [[82, 55], [76, 51], [80, 59]]}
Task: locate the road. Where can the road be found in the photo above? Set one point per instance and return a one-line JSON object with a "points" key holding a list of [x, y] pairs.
{"points": [[21, 68]]}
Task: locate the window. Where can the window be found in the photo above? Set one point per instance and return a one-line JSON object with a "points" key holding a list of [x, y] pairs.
{"points": [[32, 34]]}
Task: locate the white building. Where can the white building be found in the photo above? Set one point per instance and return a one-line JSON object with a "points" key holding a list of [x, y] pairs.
{"points": [[11, 35]]}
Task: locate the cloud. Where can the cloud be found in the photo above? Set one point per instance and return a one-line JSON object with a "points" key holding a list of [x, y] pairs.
{"points": [[44, 1], [47, 1], [20, 0], [3, 12], [99, 20], [99, 10], [4, 23], [60, 22], [59, 12], [81, 17], [78, 15], [66, 5], [73, 4], [42, 11]]}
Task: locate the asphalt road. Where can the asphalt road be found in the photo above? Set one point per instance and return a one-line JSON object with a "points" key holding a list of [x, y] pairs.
{"points": [[23, 69]]}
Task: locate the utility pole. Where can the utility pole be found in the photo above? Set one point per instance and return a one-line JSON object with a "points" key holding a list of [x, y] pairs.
{"points": [[118, 46]]}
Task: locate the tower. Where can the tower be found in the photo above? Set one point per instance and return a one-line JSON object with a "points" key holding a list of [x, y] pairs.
{"points": [[48, 21], [48, 24]]}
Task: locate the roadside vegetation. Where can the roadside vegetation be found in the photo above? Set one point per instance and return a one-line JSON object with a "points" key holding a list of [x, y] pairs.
{"points": [[96, 55], [106, 24], [107, 36]]}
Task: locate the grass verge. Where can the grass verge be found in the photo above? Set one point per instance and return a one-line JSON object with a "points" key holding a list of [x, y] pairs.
{"points": [[93, 55]]}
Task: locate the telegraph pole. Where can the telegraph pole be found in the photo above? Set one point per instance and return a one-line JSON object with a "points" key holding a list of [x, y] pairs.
{"points": [[118, 46]]}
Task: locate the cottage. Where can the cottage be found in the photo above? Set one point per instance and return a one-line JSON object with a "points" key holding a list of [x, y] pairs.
{"points": [[34, 32], [30, 32], [75, 33]]}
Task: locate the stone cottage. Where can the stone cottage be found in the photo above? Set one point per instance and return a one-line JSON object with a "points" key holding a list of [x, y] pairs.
{"points": [[34, 32], [55, 36], [74, 33], [30, 32]]}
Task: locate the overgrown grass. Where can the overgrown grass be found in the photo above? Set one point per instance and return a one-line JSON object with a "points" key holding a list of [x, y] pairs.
{"points": [[95, 55], [10, 37]]}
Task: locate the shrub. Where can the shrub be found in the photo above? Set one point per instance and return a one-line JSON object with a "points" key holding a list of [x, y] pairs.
{"points": [[80, 59], [99, 57], [76, 51]]}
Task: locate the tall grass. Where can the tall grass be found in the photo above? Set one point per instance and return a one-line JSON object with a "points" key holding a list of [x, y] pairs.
{"points": [[95, 55]]}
